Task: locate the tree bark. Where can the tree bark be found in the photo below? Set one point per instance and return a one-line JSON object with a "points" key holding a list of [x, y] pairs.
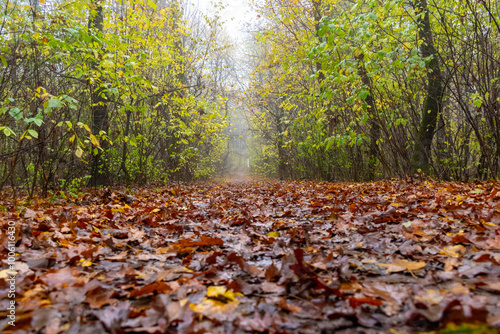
{"points": [[435, 90], [100, 118], [372, 120], [330, 117]]}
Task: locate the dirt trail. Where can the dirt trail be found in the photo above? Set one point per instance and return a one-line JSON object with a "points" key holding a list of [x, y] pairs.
{"points": [[241, 176]]}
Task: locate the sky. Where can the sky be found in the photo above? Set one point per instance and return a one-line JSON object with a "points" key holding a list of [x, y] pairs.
{"points": [[236, 13], [237, 10]]}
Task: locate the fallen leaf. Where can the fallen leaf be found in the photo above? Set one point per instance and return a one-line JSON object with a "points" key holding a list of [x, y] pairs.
{"points": [[453, 251], [401, 265], [350, 287], [288, 307], [356, 302], [218, 299], [429, 297], [155, 287], [204, 241]]}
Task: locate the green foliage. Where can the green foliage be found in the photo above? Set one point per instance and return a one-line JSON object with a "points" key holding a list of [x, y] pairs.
{"points": [[339, 89], [160, 126]]}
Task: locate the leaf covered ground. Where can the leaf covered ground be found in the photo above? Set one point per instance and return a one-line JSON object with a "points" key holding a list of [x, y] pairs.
{"points": [[259, 256]]}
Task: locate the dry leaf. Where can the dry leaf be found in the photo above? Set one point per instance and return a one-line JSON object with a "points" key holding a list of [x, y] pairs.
{"points": [[401, 265], [453, 251]]}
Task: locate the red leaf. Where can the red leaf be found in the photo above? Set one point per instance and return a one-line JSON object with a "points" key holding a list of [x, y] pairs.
{"points": [[150, 288], [460, 239], [305, 273], [204, 241], [355, 302], [272, 273]]}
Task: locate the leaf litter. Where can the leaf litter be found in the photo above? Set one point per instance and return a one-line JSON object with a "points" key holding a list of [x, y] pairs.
{"points": [[259, 256]]}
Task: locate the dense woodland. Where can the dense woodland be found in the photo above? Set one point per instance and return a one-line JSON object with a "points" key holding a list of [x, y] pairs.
{"points": [[96, 92], [106, 104], [359, 90]]}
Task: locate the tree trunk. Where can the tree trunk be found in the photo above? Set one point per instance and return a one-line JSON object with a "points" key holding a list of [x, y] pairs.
{"points": [[98, 106], [330, 117], [435, 90], [123, 165], [372, 120]]}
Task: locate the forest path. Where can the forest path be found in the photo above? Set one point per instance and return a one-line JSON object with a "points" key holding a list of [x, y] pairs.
{"points": [[256, 256], [240, 176]]}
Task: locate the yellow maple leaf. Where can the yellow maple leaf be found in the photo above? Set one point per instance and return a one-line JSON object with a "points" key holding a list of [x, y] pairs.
{"points": [[120, 208], [274, 234], [454, 251], [218, 291], [85, 263], [218, 300]]}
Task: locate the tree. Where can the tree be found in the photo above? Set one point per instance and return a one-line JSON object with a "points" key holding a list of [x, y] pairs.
{"points": [[375, 92], [100, 123], [435, 90], [106, 90]]}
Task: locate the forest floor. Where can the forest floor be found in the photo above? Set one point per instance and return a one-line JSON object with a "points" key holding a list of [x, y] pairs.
{"points": [[257, 256]]}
